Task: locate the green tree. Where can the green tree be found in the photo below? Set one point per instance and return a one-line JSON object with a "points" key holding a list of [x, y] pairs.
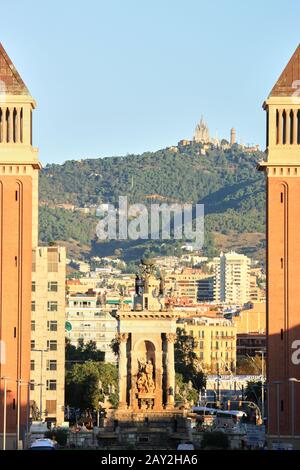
{"points": [[185, 390], [246, 365], [83, 352], [88, 383], [186, 361], [253, 391]]}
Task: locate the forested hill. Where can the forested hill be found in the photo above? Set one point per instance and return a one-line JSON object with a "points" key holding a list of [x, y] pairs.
{"points": [[227, 182]]}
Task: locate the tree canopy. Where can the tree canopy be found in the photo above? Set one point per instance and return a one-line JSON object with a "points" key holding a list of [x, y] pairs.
{"points": [[226, 182], [89, 383]]}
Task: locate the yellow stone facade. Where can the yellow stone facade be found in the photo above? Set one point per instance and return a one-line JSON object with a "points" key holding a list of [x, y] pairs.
{"points": [[252, 320], [48, 332], [215, 342]]}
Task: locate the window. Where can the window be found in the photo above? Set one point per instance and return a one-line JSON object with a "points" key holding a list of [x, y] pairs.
{"points": [[32, 344], [201, 356], [52, 286], [52, 306], [52, 267], [32, 365], [51, 384], [52, 345], [31, 385], [201, 344], [51, 364], [33, 286], [32, 325], [33, 306], [52, 325], [51, 406]]}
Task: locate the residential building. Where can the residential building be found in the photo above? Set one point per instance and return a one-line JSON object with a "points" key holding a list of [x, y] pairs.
{"points": [[215, 342], [232, 278], [88, 320], [257, 293], [249, 344], [252, 319], [184, 284], [206, 289], [47, 365]]}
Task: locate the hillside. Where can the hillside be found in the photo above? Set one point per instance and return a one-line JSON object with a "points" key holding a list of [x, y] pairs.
{"points": [[227, 182]]}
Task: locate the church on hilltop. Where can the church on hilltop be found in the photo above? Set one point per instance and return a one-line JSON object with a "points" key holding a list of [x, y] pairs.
{"points": [[201, 135]]}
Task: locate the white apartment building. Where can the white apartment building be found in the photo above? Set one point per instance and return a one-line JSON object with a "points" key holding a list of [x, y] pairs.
{"points": [[232, 278], [47, 365], [86, 319]]}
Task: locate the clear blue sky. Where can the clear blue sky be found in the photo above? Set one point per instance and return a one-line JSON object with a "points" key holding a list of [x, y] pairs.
{"points": [[125, 76]]}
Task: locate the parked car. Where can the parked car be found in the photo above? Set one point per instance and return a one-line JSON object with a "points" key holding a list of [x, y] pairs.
{"points": [[43, 444], [185, 446]]}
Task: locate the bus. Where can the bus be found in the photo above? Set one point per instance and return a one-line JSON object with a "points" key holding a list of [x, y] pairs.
{"points": [[229, 418], [204, 415]]}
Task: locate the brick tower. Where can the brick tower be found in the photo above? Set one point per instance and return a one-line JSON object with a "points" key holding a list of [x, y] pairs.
{"points": [[19, 167], [282, 170]]}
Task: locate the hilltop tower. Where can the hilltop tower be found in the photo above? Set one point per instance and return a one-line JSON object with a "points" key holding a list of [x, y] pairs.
{"points": [[282, 170], [232, 136], [19, 167]]}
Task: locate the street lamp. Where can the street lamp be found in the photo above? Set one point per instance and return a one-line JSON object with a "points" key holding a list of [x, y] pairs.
{"points": [[19, 383], [5, 379], [262, 352], [292, 381], [278, 383], [41, 380]]}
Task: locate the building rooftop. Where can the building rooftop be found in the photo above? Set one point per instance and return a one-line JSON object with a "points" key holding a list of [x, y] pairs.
{"points": [[10, 80], [286, 84]]}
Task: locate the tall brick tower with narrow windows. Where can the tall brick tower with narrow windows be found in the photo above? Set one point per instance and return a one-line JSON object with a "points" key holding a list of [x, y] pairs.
{"points": [[19, 167], [282, 170]]}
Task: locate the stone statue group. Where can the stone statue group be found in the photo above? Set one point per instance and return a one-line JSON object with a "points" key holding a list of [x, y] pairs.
{"points": [[145, 382]]}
